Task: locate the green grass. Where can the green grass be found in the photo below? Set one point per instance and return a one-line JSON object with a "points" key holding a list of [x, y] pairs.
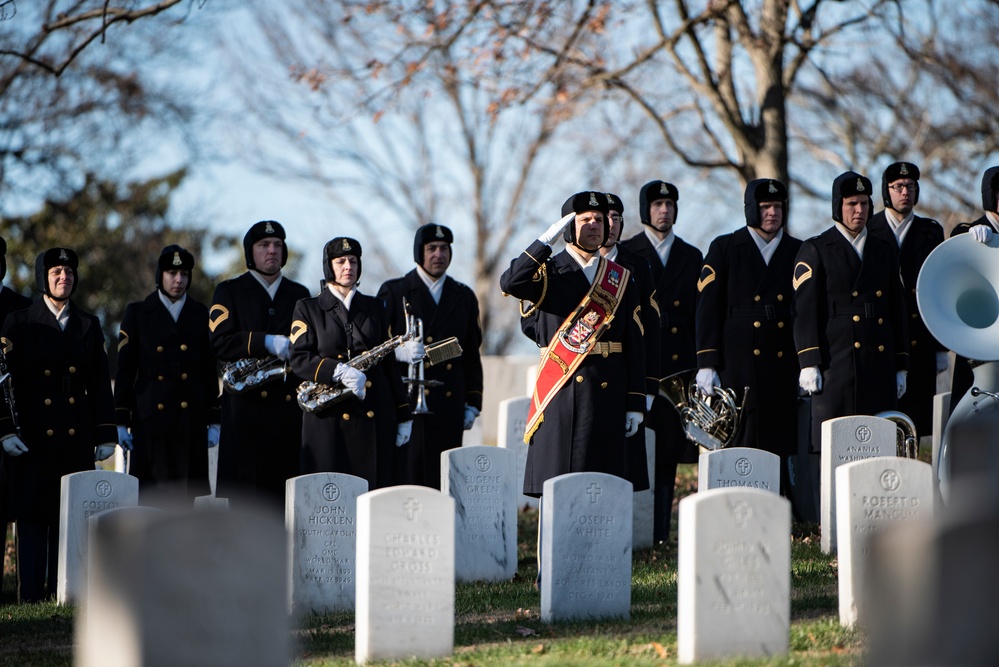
{"points": [[499, 624]]}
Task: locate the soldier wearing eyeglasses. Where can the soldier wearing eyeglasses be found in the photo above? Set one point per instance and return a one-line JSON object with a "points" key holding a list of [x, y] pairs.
{"points": [[913, 238]]}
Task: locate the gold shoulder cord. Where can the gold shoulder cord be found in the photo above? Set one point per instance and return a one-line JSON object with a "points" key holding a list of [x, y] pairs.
{"points": [[542, 275]]}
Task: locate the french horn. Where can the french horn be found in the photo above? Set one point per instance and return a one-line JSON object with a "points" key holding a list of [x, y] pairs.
{"points": [[958, 297], [906, 437], [710, 421]]}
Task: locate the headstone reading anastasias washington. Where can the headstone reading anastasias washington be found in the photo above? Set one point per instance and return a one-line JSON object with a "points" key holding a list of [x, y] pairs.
{"points": [[738, 467], [872, 497], [586, 549], [191, 588], [482, 481], [844, 440], [643, 508], [405, 574], [320, 516], [512, 424], [84, 494], [733, 575]]}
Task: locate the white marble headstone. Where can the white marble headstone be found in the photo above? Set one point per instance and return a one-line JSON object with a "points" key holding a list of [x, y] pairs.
{"points": [[482, 481], [733, 575], [586, 549], [320, 516], [844, 440], [941, 415], [191, 588], [738, 467], [84, 494], [512, 424], [644, 501], [405, 574], [872, 497]]}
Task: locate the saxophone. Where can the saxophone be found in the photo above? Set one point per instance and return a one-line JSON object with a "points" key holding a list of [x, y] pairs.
{"points": [[243, 374], [316, 397]]}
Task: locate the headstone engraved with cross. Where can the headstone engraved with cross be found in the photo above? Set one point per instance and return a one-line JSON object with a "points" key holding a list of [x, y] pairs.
{"points": [[84, 494], [738, 467], [586, 547], [844, 440], [733, 575], [482, 481], [405, 574], [321, 519]]}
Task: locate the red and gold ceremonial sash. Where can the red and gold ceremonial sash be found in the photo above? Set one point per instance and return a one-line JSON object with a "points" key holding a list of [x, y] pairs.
{"points": [[576, 338]]}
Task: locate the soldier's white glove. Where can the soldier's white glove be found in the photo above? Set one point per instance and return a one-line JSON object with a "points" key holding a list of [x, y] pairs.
{"points": [[810, 380], [351, 378], [632, 420], [410, 351], [981, 233], [402, 433], [13, 445], [707, 380], [124, 438], [943, 362], [649, 398], [470, 415], [214, 432], [900, 382], [279, 346], [104, 451], [555, 230]]}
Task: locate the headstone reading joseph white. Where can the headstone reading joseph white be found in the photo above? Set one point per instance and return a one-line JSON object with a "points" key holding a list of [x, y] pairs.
{"points": [[734, 575], [482, 481], [844, 440], [84, 494], [586, 547], [512, 424], [405, 574], [321, 519], [874, 496], [738, 467], [192, 588], [644, 501]]}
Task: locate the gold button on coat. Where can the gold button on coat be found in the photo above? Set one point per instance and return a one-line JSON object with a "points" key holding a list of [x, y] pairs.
{"points": [[50, 432], [756, 352], [287, 397], [371, 414], [346, 417], [780, 325], [448, 367], [447, 394], [263, 394], [855, 294], [756, 298], [757, 324], [48, 401], [856, 318], [579, 378], [603, 385], [160, 378], [881, 348], [160, 406], [675, 357], [183, 347], [779, 354], [159, 348], [672, 330], [881, 320], [780, 297], [183, 376], [367, 384], [676, 303], [183, 405], [72, 431], [72, 400], [430, 339], [72, 369], [47, 373], [878, 293], [857, 344]]}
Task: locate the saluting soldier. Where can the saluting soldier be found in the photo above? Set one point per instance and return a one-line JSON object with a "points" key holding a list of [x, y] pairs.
{"points": [[675, 266], [64, 407], [448, 309], [744, 333], [166, 386], [250, 317], [913, 237], [357, 435], [850, 328]]}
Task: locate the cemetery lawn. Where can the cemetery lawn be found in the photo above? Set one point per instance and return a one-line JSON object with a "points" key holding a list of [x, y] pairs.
{"points": [[499, 624]]}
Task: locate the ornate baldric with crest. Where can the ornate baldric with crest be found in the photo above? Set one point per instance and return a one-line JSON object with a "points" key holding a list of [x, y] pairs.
{"points": [[576, 338]]}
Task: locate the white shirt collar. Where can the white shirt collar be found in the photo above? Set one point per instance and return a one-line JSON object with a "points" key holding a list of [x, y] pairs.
{"points": [[61, 314], [271, 288], [435, 285], [857, 243], [611, 253], [173, 307], [767, 248], [345, 300], [899, 227], [589, 266], [662, 247]]}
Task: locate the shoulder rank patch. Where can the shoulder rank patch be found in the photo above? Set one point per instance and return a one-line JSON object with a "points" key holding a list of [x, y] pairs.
{"points": [[216, 316], [7, 345], [298, 327], [637, 316], [802, 272], [122, 339], [707, 277]]}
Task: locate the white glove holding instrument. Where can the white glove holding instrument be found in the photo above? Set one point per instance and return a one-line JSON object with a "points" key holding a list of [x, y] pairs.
{"points": [[214, 432], [555, 230], [981, 233], [352, 379], [124, 439], [470, 415], [900, 377], [403, 432], [632, 420], [104, 451], [707, 380], [810, 380], [279, 346], [410, 352], [13, 445]]}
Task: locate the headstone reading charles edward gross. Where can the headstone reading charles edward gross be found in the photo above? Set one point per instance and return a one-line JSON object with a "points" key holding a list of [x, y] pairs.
{"points": [[738, 467], [512, 424], [844, 440], [874, 496], [321, 519], [482, 481], [586, 547], [84, 494], [405, 574], [733, 575]]}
